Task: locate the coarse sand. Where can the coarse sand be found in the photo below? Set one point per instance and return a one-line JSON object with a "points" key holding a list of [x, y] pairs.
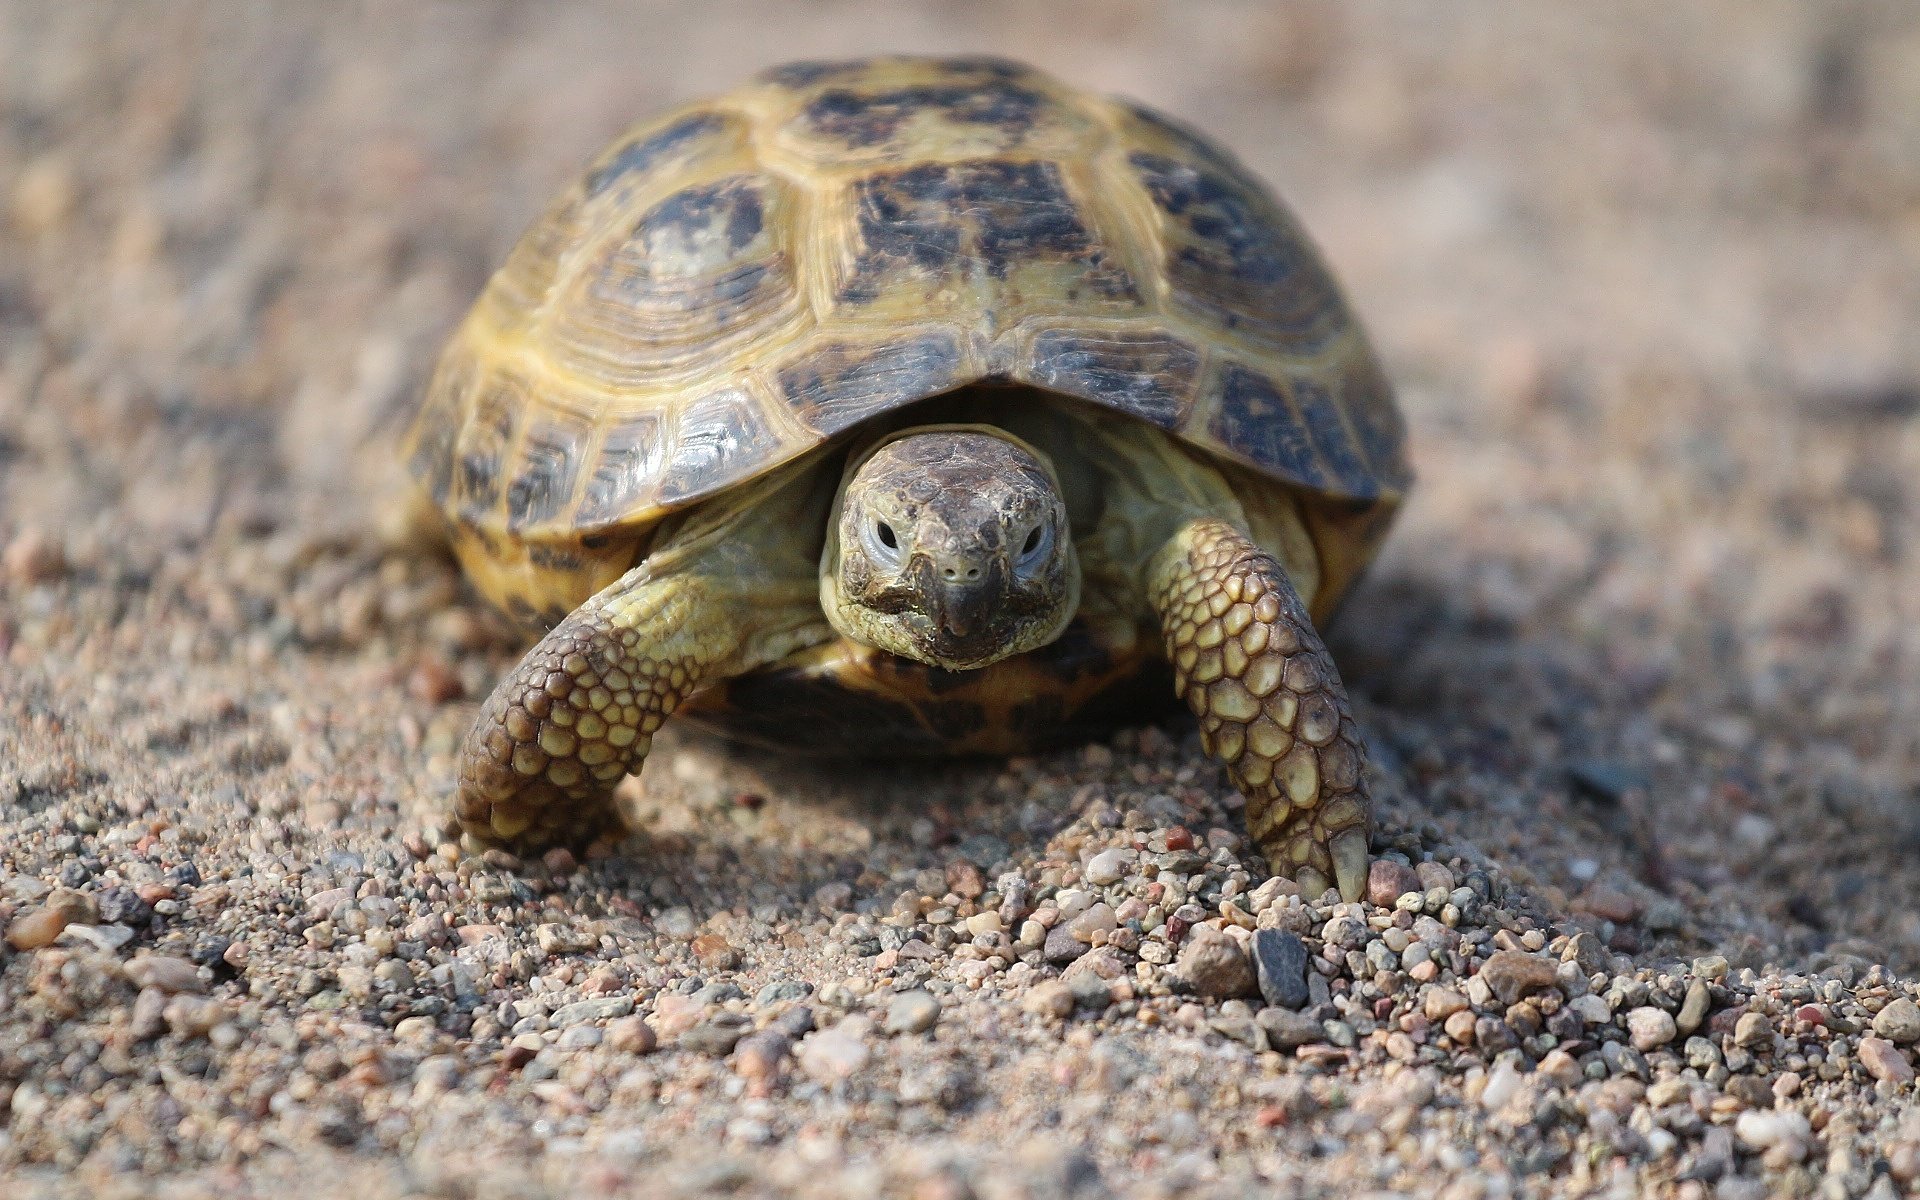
{"points": [[1640, 669]]}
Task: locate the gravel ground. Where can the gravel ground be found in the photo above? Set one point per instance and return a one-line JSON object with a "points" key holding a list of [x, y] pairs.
{"points": [[1638, 671]]}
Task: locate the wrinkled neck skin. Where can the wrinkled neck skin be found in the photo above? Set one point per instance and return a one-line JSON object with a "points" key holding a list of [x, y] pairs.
{"points": [[950, 545]]}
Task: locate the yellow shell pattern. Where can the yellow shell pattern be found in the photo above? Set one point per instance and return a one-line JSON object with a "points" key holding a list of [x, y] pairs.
{"points": [[738, 282]]}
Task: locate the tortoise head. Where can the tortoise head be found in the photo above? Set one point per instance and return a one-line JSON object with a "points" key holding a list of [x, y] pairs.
{"points": [[951, 549]]}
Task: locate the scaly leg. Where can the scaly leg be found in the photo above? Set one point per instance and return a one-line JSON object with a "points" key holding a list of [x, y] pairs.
{"points": [[732, 589], [542, 759], [1271, 706]]}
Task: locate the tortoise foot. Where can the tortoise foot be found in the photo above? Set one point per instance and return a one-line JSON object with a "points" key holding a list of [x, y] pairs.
{"points": [[1271, 706]]}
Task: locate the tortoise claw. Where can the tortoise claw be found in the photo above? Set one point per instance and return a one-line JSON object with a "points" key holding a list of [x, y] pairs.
{"points": [[1349, 850], [1312, 883]]}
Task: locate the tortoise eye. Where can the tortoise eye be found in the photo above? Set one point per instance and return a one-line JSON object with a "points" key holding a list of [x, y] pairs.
{"points": [[1035, 548], [881, 544]]}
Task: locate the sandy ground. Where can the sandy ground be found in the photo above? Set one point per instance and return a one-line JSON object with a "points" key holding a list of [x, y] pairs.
{"points": [[1639, 664]]}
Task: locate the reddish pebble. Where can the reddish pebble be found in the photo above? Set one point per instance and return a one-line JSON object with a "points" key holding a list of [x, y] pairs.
{"points": [[1269, 1116], [1885, 1061], [1610, 904], [560, 861], [714, 953], [35, 928], [965, 880], [1388, 880], [1812, 1014], [758, 1058], [631, 1035], [33, 557], [1460, 1027], [433, 683], [1179, 839], [521, 1051]]}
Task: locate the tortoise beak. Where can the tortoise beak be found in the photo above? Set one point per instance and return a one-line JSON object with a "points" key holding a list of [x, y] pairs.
{"points": [[963, 613], [962, 610]]}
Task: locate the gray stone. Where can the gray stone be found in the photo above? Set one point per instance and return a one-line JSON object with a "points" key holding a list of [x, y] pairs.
{"points": [[1089, 990], [1214, 965], [715, 1037], [605, 1008], [1280, 965], [912, 1012], [1108, 866], [1061, 946], [1899, 1022], [1511, 974], [1693, 1010], [1287, 1029]]}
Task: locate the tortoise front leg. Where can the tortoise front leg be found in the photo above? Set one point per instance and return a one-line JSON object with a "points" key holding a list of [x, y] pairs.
{"points": [[1271, 706], [732, 588], [579, 712]]}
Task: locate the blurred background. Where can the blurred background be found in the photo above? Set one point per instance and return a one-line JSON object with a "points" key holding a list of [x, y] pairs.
{"points": [[1646, 275]]}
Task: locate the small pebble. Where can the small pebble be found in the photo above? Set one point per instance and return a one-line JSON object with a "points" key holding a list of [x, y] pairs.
{"points": [[714, 953], [33, 557], [1280, 967], [912, 1012], [1650, 1028], [1693, 1010], [36, 928], [1214, 965], [1108, 867], [1511, 974], [1061, 946], [1885, 1061], [1752, 1029], [758, 1059], [1094, 924], [835, 1054], [631, 1035], [1049, 998], [1899, 1022], [1388, 880]]}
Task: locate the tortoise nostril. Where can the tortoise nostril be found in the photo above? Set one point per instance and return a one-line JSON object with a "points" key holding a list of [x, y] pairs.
{"points": [[955, 574]]}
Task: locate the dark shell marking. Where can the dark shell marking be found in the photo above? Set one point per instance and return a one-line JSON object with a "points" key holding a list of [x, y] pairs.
{"points": [[941, 221], [1148, 375], [798, 75], [548, 460], [1234, 255], [1254, 417], [864, 119], [699, 266], [630, 464], [642, 154], [482, 450], [841, 385]]}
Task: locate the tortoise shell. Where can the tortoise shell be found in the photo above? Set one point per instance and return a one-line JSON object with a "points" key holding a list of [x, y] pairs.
{"points": [[736, 283]]}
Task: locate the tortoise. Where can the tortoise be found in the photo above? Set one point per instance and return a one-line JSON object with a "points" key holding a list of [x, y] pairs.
{"points": [[914, 405]]}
